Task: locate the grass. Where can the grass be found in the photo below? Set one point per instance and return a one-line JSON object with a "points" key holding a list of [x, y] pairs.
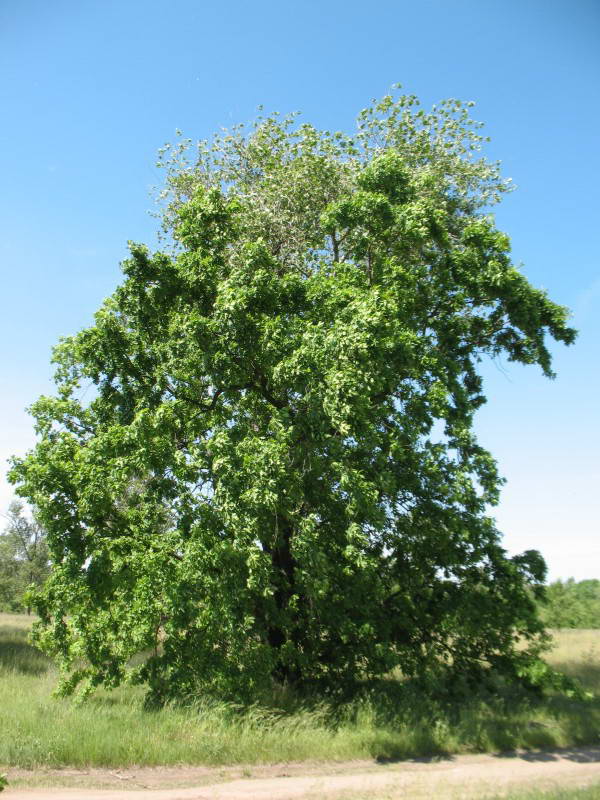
{"points": [[585, 793], [577, 652], [114, 729]]}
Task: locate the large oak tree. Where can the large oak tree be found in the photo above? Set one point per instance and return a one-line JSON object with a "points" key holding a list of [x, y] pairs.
{"points": [[275, 477]]}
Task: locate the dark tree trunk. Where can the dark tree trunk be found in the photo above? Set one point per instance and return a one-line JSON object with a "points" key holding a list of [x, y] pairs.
{"points": [[284, 566]]}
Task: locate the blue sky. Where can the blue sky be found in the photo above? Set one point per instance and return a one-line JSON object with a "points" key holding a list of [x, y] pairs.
{"points": [[90, 89]]}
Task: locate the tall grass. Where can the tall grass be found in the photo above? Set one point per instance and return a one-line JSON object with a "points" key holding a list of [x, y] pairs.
{"points": [[577, 653], [390, 721]]}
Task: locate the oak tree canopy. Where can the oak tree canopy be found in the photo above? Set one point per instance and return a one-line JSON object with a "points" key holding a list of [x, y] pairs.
{"points": [[274, 476]]}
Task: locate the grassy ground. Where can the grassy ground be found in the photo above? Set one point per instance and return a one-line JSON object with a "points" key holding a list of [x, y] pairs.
{"points": [[587, 793], [114, 729]]}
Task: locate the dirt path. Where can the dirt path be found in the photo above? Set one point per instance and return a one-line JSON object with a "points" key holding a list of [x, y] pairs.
{"points": [[471, 776]]}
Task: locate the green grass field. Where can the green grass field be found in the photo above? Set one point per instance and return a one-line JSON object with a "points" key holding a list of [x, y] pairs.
{"points": [[113, 729]]}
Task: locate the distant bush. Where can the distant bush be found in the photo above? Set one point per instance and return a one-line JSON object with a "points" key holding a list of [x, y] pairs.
{"points": [[572, 604]]}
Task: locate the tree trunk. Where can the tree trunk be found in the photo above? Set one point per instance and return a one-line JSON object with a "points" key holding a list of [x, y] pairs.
{"points": [[284, 566]]}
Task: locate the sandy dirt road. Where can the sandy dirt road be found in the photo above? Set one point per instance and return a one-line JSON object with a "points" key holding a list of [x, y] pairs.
{"points": [[470, 776]]}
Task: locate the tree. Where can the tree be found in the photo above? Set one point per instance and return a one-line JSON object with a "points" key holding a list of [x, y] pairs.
{"points": [[24, 559], [572, 604], [276, 478]]}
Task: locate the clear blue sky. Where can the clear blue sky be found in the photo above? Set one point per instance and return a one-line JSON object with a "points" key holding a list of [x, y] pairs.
{"points": [[90, 89]]}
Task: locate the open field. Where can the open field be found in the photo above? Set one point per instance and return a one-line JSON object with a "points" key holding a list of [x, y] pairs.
{"points": [[113, 730]]}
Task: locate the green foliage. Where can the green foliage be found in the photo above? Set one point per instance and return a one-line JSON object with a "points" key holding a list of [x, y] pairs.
{"points": [[276, 477], [24, 559], [572, 604]]}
